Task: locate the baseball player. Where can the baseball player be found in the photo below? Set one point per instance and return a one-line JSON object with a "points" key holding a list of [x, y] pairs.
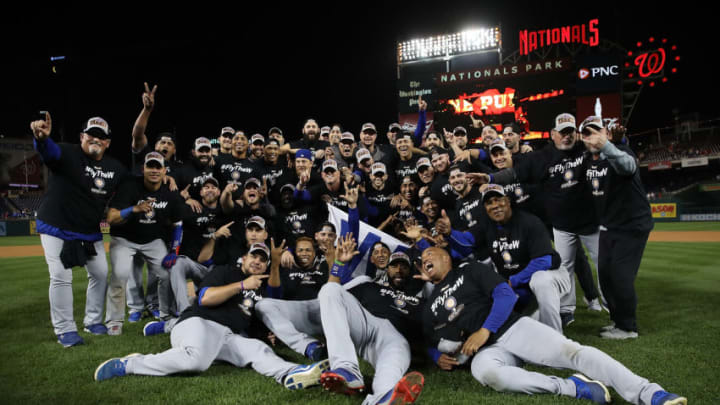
{"points": [[624, 214], [213, 329], [470, 315], [372, 319], [82, 180], [139, 217]]}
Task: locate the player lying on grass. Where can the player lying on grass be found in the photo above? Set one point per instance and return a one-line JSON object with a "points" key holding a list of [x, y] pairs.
{"points": [[374, 319], [470, 315], [214, 329]]}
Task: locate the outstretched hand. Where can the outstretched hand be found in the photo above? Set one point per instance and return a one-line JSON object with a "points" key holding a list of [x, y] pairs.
{"points": [[346, 248]]}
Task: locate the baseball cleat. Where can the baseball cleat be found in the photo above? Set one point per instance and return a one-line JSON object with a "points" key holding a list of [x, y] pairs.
{"points": [[618, 334], [342, 381], [70, 339], [114, 328], [667, 398], [593, 390], [567, 318], [154, 328], [607, 327], [593, 304], [316, 351], [135, 316], [112, 368], [406, 391], [97, 329], [305, 376], [155, 313]]}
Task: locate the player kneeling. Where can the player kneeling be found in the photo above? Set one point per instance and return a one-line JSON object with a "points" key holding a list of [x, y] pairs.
{"points": [[213, 329], [470, 316]]}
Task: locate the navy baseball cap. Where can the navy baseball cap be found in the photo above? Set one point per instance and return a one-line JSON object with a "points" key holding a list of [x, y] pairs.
{"points": [[304, 154]]}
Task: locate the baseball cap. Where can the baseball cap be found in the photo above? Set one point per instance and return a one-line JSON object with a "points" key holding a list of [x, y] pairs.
{"points": [[497, 144], [211, 179], [460, 130], [202, 142], [438, 151], [304, 154], [97, 127], [347, 136], [329, 164], [324, 130], [362, 154], [257, 138], [368, 127], [259, 221], [592, 121], [259, 248], [227, 130], [399, 256], [564, 121], [394, 127], [422, 162], [274, 130], [286, 187], [493, 190], [378, 167], [155, 156], [272, 141], [252, 180]]}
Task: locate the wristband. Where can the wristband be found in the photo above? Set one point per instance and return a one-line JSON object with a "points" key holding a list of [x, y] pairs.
{"points": [[125, 214], [339, 263], [242, 287]]}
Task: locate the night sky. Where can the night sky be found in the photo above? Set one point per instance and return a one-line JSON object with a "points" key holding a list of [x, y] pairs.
{"points": [[253, 69]]}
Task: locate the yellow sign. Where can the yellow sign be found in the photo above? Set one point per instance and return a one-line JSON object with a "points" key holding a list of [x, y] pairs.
{"points": [[33, 228], [664, 210]]}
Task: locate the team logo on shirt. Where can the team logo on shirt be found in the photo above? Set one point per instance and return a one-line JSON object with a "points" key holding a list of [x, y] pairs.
{"points": [[455, 312], [150, 214], [568, 175], [99, 183], [507, 257], [468, 216], [399, 302], [296, 225], [450, 303], [235, 175], [596, 183], [518, 192]]}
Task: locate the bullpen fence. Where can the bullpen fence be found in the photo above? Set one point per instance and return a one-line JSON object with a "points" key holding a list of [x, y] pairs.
{"points": [[25, 227]]}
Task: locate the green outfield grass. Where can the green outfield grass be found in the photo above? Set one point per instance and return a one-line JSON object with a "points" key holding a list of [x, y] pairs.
{"points": [[679, 318], [28, 240], [687, 226]]}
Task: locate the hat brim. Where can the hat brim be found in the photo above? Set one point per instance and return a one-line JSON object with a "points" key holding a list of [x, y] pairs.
{"points": [[97, 133]]}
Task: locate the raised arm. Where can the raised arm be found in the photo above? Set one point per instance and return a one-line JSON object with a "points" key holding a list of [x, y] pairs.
{"points": [[139, 139]]}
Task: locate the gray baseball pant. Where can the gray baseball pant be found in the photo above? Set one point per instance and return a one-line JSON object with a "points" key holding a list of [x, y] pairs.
{"points": [[499, 365], [61, 296], [197, 342], [549, 287], [565, 244], [293, 322], [348, 326], [122, 252], [183, 269], [137, 298]]}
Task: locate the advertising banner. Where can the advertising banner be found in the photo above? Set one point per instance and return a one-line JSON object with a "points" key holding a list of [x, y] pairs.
{"points": [[409, 88], [693, 162], [664, 210], [664, 165]]}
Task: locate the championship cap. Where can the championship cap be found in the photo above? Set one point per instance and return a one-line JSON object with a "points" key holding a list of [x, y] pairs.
{"points": [[460, 130], [378, 167], [211, 179], [347, 136], [394, 127], [324, 130], [274, 130], [259, 248], [252, 180], [257, 138], [423, 162], [368, 127], [592, 121], [155, 156], [227, 130], [497, 144], [97, 127], [304, 154], [564, 121], [493, 190], [329, 164], [362, 154], [202, 142], [399, 256], [259, 221], [287, 187]]}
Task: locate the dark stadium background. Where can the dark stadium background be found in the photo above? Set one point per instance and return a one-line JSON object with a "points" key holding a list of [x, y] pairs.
{"points": [[275, 66]]}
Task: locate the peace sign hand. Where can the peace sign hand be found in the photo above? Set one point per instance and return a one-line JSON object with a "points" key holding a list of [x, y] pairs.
{"points": [[148, 97]]}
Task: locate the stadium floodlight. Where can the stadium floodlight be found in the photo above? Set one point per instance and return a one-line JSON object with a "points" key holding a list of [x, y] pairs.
{"points": [[446, 46]]}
